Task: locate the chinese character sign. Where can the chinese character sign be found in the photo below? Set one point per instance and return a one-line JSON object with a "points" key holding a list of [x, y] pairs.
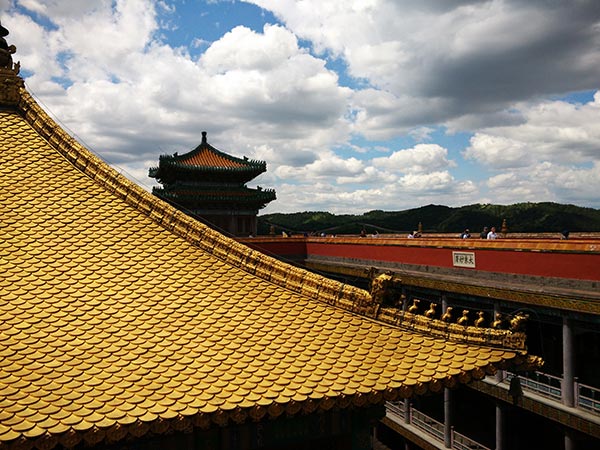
{"points": [[463, 259]]}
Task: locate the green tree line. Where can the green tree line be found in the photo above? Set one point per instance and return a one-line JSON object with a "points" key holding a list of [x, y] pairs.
{"points": [[520, 217]]}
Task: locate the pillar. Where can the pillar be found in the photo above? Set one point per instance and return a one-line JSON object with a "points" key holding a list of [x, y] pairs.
{"points": [[407, 419], [447, 418], [568, 383], [569, 440], [500, 426], [253, 225], [444, 303], [501, 374], [233, 228]]}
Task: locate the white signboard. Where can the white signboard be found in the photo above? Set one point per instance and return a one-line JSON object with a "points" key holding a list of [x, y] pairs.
{"points": [[463, 259]]}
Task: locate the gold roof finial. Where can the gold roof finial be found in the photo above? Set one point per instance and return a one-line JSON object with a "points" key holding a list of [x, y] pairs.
{"points": [[504, 228], [6, 52], [10, 82]]}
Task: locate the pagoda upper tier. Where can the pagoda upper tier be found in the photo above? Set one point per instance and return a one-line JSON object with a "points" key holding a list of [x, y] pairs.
{"points": [[207, 164], [218, 197], [211, 186]]}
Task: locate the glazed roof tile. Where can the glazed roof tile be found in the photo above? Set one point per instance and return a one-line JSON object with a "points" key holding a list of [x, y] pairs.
{"points": [[206, 163], [119, 311], [207, 157]]}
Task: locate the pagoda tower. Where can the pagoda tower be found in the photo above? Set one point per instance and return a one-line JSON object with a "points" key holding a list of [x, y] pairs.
{"points": [[211, 186]]}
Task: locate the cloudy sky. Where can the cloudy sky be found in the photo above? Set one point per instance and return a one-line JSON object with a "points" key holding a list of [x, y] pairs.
{"points": [[355, 104]]}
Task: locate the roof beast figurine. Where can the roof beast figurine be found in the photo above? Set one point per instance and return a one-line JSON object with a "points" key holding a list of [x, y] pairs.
{"points": [[6, 52]]}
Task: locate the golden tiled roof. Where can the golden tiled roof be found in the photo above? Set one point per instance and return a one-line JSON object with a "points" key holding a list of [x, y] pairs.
{"points": [[120, 315]]}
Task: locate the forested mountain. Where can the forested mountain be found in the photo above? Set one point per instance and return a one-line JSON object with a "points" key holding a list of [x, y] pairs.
{"points": [[520, 217]]}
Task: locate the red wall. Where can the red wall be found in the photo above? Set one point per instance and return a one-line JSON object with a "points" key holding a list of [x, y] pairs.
{"points": [[553, 259], [288, 247], [561, 265]]}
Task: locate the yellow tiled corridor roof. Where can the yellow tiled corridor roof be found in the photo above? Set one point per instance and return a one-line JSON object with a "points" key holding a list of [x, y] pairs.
{"points": [[121, 316]]}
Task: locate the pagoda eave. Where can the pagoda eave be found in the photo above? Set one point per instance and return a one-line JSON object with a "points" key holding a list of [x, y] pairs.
{"points": [[249, 199], [170, 173]]}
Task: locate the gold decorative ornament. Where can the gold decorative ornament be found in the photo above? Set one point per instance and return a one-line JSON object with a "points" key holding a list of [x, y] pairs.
{"points": [[447, 316], [464, 319]]}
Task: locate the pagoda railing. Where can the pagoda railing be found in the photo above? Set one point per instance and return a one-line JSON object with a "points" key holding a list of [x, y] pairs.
{"points": [[427, 424], [588, 398], [550, 386], [542, 383], [403, 415], [461, 442], [396, 408]]}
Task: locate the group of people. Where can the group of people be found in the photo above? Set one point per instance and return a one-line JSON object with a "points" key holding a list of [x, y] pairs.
{"points": [[486, 233], [363, 233]]}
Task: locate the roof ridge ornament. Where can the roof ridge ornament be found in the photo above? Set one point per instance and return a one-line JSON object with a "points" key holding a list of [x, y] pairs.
{"points": [[388, 305], [10, 82], [6, 52]]}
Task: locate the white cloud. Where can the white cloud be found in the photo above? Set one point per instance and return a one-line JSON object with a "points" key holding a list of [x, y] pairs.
{"points": [[254, 52], [369, 176], [554, 131], [61, 8], [108, 72], [419, 159], [374, 189], [467, 56], [421, 134], [138, 97], [382, 115], [554, 155], [326, 166], [385, 182], [499, 151]]}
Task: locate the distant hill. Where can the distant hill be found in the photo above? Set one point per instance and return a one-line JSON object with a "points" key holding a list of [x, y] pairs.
{"points": [[520, 218]]}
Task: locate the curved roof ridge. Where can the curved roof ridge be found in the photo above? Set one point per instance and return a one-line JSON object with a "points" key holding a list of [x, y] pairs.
{"points": [[270, 269], [301, 281], [118, 288]]}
